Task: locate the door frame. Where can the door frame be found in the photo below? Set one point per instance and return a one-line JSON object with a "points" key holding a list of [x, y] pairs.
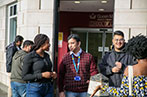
{"points": [[94, 30]]}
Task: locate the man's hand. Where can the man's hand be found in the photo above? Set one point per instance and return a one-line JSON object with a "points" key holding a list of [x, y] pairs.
{"points": [[115, 69], [118, 65], [61, 94]]}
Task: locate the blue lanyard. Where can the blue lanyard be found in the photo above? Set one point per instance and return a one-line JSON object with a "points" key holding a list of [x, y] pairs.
{"points": [[76, 67]]}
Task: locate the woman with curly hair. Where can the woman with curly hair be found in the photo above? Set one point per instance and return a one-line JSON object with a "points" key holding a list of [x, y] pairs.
{"points": [[136, 46], [37, 69]]}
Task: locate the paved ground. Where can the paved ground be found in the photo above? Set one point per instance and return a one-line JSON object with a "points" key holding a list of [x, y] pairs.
{"points": [[3, 94]]}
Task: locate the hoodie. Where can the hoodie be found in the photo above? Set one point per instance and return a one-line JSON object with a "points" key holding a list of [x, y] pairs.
{"points": [[17, 62]]}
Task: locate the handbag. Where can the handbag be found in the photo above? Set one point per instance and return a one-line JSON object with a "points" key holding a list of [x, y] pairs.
{"points": [[130, 78]]}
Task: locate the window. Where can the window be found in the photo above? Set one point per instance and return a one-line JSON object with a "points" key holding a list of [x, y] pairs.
{"points": [[12, 22]]}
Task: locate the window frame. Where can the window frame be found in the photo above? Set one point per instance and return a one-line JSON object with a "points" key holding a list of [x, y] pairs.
{"points": [[9, 17]]}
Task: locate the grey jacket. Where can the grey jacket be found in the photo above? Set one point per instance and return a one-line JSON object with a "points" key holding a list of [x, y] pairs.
{"points": [[17, 62], [108, 62]]}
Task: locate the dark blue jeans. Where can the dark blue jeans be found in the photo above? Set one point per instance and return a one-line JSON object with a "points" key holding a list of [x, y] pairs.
{"points": [[74, 94], [18, 89], [39, 90]]}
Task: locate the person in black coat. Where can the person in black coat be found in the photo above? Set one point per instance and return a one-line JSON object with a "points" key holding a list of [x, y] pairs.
{"points": [[11, 49], [134, 82], [114, 63], [37, 69]]}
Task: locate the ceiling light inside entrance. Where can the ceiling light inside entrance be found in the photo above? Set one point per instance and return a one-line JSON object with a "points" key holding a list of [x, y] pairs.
{"points": [[101, 9], [103, 1], [77, 1]]}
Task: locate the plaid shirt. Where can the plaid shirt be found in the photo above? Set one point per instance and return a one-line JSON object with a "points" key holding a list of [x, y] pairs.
{"points": [[67, 72]]}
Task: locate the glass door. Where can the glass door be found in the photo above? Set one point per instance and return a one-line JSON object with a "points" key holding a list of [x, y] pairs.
{"points": [[94, 41]]}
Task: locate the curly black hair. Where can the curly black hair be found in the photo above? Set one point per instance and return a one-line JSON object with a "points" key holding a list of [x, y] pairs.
{"points": [[137, 46]]}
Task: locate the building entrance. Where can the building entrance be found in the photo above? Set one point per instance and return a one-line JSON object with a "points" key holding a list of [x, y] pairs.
{"points": [[95, 41], [92, 20]]}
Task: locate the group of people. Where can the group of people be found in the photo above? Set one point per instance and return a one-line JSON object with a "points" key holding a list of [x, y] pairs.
{"points": [[32, 75], [30, 67], [134, 81]]}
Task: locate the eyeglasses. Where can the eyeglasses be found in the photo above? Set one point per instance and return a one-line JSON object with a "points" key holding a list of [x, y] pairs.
{"points": [[121, 40]]}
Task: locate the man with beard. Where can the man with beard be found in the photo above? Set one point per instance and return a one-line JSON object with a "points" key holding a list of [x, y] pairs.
{"points": [[114, 62], [18, 85]]}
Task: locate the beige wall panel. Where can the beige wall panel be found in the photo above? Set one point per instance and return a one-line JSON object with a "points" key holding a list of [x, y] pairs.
{"points": [[2, 47], [39, 18], [130, 18], [2, 66], [2, 17], [139, 4], [35, 18], [48, 31], [1, 12], [4, 78], [3, 28], [1, 55], [2, 33], [28, 32], [1, 23], [47, 4], [22, 5], [33, 4], [125, 4], [28, 5], [20, 17], [3, 75]]}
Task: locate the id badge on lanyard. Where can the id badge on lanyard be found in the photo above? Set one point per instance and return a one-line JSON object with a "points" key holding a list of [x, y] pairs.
{"points": [[76, 78]]}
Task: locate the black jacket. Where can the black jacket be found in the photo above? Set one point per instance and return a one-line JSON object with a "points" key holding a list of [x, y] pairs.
{"points": [[108, 62], [34, 65], [10, 51]]}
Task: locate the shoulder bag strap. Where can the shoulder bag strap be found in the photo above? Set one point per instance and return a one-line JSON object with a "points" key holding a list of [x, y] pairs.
{"points": [[130, 78]]}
